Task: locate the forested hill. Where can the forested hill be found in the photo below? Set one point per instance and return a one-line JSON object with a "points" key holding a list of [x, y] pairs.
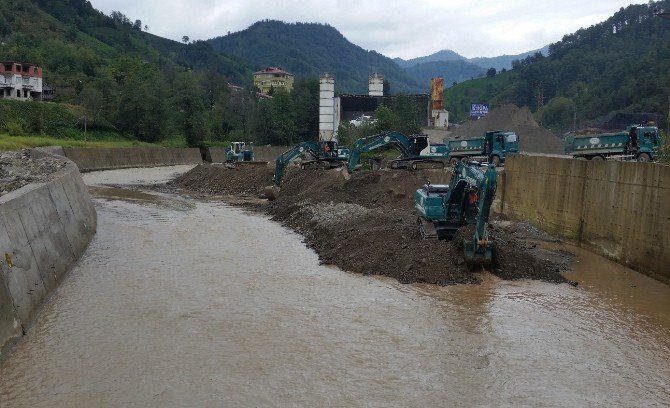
{"points": [[621, 64], [70, 36], [121, 78], [309, 49]]}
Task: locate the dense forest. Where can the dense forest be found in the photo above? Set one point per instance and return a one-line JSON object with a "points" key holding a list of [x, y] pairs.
{"points": [[621, 64], [310, 49]]}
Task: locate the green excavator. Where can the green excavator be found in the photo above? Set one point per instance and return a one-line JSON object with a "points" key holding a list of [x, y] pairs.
{"points": [[466, 200], [416, 151], [324, 155]]}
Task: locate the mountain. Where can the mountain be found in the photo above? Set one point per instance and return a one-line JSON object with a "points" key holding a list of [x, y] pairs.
{"points": [[308, 50], [505, 61], [617, 65], [443, 55], [500, 62], [451, 71]]}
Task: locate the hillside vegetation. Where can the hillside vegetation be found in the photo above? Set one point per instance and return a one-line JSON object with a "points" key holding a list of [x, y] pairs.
{"points": [[620, 64], [310, 49], [122, 79]]}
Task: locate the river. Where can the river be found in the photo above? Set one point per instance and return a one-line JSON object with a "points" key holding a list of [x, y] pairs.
{"points": [[184, 302]]}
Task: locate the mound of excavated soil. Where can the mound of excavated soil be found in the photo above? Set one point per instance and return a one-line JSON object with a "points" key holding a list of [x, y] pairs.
{"points": [[217, 179], [532, 137], [367, 223]]}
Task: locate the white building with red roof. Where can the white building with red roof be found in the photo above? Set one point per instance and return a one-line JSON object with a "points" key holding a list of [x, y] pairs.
{"points": [[20, 81]]}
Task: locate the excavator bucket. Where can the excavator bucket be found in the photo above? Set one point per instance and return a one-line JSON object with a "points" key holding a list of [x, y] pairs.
{"points": [[478, 252]]}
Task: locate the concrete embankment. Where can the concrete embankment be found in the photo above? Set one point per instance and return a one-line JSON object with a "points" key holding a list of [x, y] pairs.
{"points": [[89, 159], [620, 210], [261, 153], [44, 229]]}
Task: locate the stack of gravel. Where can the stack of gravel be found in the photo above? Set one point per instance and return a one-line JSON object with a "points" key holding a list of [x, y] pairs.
{"points": [[17, 169]]}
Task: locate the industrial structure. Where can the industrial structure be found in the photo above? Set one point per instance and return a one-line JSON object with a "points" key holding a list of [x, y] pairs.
{"points": [[20, 81], [345, 107], [273, 78], [439, 117]]}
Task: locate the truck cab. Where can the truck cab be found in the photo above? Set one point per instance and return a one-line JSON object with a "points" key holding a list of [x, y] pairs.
{"points": [[643, 142], [499, 144]]}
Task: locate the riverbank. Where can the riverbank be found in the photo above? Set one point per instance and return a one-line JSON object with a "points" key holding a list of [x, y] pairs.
{"points": [[365, 223]]}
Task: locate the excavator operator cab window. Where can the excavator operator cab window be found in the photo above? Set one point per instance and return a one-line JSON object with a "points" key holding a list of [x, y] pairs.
{"points": [[420, 143]]}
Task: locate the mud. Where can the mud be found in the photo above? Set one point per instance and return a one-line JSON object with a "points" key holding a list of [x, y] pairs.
{"points": [[366, 223], [532, 136]]}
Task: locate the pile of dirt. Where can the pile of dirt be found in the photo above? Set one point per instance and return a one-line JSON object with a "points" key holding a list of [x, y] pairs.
{"points": [[365, 222], [18, 169], [218, 179], [532, 137]]}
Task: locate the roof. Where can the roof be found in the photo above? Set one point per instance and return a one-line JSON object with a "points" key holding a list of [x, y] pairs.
{"points": [[20, 63], [273, 71]]}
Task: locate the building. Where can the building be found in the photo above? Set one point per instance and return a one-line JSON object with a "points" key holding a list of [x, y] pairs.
{"points": [[20, 81], [273, 77], [343, 108]]}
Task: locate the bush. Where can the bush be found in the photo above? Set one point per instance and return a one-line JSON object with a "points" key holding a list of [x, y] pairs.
{"points": [[14, 128]]}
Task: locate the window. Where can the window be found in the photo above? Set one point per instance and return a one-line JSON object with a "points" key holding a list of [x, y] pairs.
{"points": [[18, 93], [511, 138]]}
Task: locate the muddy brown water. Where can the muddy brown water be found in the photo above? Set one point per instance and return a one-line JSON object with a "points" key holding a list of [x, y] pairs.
{"points": [[179, 302]]}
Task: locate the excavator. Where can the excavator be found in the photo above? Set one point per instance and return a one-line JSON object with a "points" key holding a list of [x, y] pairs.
{"points": [[324, 155], [466, 200], [416, 151]]}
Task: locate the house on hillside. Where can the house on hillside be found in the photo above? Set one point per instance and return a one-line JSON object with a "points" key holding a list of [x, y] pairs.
{"points": [[20, 81], [273, 77]]}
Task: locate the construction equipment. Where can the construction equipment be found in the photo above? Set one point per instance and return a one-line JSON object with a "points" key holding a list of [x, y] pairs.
{"points": [[237, 152], [466, 200], [640, 143], [493, 147], [324, 155], [416, 151]]}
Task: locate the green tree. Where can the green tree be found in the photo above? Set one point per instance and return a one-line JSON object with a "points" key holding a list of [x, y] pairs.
{"points": [[188, 102], [142, 107], [406, 115], [306, 100], [283, 111], [385, 119]]}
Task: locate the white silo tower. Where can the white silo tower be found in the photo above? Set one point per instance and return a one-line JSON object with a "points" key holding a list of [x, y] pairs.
{"points": [[376, 85]]}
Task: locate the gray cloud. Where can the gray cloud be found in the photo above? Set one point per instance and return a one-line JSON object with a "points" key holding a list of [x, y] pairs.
{"points": [[392, 27]]}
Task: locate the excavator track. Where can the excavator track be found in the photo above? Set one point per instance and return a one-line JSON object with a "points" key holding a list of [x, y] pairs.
{"points": [[426, 229], [425, 164]]}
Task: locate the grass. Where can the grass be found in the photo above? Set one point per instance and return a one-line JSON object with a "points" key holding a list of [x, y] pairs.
{"points": [[8, 142]]}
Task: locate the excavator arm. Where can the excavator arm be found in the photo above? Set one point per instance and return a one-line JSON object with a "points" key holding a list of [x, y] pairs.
{"points": [[479, 249], [311, 148], [367, 144]]}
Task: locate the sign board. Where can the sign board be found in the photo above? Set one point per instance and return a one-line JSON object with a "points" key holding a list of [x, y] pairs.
{"points": [[478, 110]]}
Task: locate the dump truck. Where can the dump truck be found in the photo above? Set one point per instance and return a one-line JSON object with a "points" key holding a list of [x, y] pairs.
{"points": [[640, 143], [493, 147]]}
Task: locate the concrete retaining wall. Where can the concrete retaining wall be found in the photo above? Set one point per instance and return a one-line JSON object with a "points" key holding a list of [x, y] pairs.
{"points": [[261, 153], [44, 229], [89, 159], [618, 209]]}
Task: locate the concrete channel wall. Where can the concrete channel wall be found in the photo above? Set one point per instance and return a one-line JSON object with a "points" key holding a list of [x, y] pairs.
{"points": [[44, 229], [261, 153], [89, 158], [620, 210]]}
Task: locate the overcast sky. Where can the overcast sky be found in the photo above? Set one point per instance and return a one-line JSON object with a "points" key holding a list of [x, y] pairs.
{"points": [[405, 29]]}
